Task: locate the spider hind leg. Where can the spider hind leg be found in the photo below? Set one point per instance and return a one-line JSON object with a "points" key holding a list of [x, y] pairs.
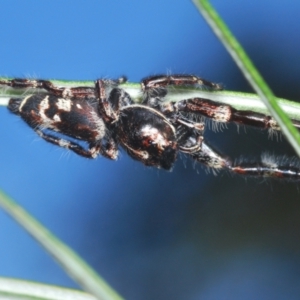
{"points": [[268, 166], [279, 167]]}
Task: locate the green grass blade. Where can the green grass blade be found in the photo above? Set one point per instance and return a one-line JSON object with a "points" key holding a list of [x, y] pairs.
{"points": [[249, 71], [21, 289], [238, 100], [83, 274]]}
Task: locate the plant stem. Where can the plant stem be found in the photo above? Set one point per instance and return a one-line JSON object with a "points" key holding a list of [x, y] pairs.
{"points": [[250, 72]]}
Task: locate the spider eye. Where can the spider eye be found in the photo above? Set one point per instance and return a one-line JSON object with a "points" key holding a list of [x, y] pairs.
{"points": [[148, 142]]}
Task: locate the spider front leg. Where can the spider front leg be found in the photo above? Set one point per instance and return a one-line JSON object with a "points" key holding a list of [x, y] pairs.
{"points": [[159, 82], [221, 112], [155, 87]]}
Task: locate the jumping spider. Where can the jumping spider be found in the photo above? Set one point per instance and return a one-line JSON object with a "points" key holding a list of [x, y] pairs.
{"points": [[104, 116]]}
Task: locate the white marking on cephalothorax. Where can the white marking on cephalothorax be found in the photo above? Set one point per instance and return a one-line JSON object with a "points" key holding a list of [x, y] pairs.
{"points": [[64, 104], [78, 106], [156, 136], [154, 111]]}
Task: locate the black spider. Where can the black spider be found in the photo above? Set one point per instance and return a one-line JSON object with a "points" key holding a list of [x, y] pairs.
{"points": [[152, 132]]}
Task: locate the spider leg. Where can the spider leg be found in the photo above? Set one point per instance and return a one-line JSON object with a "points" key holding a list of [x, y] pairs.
{"points": [[189, 140], [153, 83], [221, 112], [109, 150], [109, 108], [92, 152], [267, 166], [64, 92], [178, 119], [210, 158]]}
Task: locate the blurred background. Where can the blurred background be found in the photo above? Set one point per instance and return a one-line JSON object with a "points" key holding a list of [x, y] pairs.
{"points": [[152, 234]]}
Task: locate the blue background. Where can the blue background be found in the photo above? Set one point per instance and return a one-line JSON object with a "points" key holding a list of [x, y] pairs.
{"points": [[152, 234]]}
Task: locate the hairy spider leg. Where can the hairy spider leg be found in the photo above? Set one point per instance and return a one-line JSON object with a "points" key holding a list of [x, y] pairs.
{"points": [[221, 112], [189, 140], [151, 83], [109, 150], [91, 152], [64, 92], [108, 113], [155, 88], [266, 166]]}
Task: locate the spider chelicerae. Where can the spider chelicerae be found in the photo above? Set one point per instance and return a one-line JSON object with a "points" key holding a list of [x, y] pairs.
{"points": [[154, 132]]}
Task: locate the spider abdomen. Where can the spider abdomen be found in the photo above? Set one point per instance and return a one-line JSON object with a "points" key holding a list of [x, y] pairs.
{"points": [[77, 118]]}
